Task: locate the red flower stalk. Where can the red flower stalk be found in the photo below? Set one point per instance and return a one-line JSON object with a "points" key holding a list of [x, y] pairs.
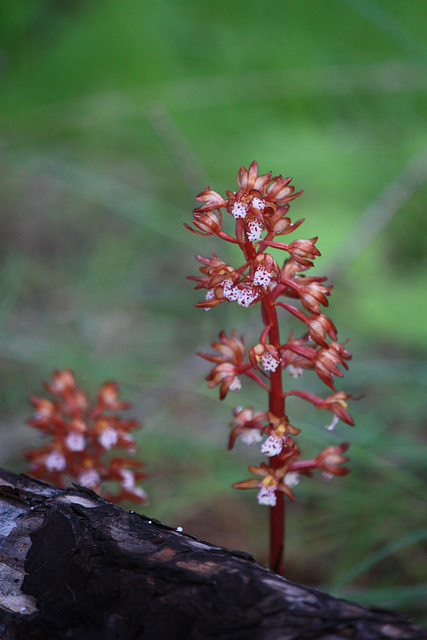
{"points": [[260, 209], [81, 435]]}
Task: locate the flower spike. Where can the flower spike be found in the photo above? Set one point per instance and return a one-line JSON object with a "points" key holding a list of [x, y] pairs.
{"points": [[259, 209], [81, 435]]}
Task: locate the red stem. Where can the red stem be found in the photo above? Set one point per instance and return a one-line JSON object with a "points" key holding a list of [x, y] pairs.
{"points": [[277, 408]]}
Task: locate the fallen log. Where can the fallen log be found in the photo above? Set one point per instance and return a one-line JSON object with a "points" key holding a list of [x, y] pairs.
{"points": [[75, 567]]}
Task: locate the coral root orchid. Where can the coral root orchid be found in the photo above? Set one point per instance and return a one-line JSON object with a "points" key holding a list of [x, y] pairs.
{"points": [[259, 211], [80, 437]]}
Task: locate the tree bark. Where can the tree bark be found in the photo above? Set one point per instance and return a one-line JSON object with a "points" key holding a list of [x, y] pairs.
{"points": [[74, 566]]}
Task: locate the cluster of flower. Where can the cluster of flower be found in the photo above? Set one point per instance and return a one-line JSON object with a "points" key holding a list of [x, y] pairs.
{"points": [[81, 435], [260, 210], [251, 427]]}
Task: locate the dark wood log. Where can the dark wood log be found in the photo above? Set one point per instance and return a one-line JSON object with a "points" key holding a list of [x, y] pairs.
{"points": [[74, 566]]}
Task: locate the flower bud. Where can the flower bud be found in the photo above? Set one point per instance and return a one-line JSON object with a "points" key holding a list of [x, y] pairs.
{"points": [[329, 459], [207, 222], [303, 251]]}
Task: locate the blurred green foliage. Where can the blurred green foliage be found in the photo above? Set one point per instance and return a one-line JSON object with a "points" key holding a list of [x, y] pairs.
{"points": [[113, 116]]}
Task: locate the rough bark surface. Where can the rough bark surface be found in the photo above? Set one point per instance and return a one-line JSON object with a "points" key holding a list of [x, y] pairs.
{"points": [[74, 566]]}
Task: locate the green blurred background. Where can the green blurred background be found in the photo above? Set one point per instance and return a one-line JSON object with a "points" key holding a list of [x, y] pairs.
{"points": [[113, 116]]}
